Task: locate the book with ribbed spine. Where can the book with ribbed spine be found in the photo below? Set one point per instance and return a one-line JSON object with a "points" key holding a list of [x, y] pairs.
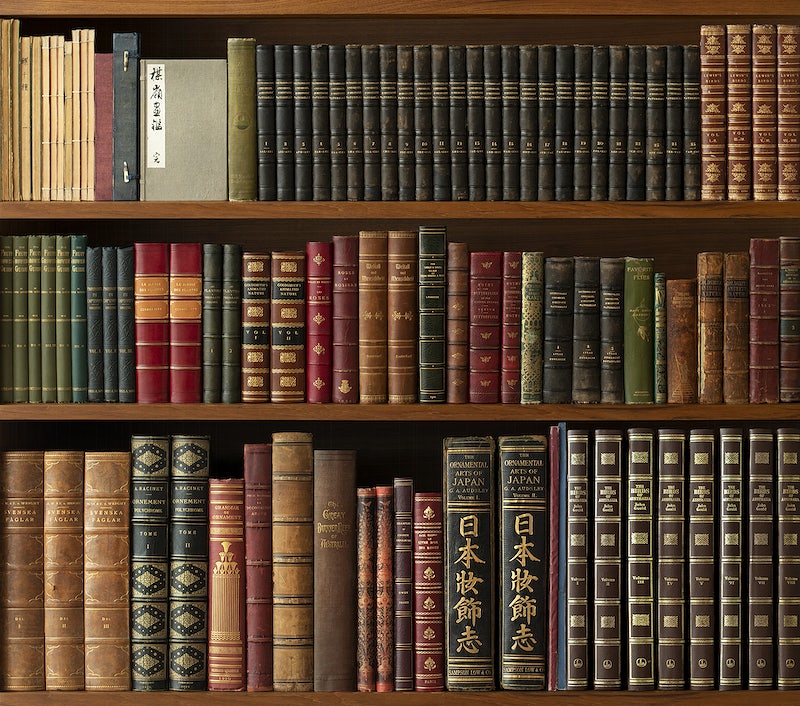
{"points": [[509, 101], [404, 584], [366, 644], [564, 122], [599, 112], [612, 279], [788, 67], [126, 362], [355, 122], [151, 306], [405, 123], [736, 328], [655, 122], [638, 301], [212, 322], [637, 123], [681, 309], [617, 120], [319, 320], [765, 112], [713, 112], [789, 289], [19, 299], [231, 339], [255, 326], [586, 330], [440, 121], [337, 104], [284, 123], [493, 121], [457, 322], [528, 121], [457, 85], [402, 310], [764, 317], [288, 322], [582, 155], [510, 327], [265, 121], [476, 150], [77, 284], [241, 119], [301, 107], [384, 587], [547, 122], [531, 327], [692, 167], [185, 323], [94, 322], [388, 122], [559, 286], [372, 316], [371, 115], [344, 376], [63, 326], [485, 327], [110, 325], [739, 117], [434, 307], [673, 125]]}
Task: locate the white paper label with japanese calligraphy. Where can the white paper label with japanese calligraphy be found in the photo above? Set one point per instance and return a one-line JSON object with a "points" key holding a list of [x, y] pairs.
{"points": [[156, 116]]}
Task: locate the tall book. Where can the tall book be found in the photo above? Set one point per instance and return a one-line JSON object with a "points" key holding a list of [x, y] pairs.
{"points": [[355, 122], [104, 124], [586, 330], [265, 121], [531, 327], [510, 327], [457, 323], [19, 328], [301, 105], [404, 584], [493, 121], [440, 121], [433, 311], [713, 112], [637, 123], [292, 554], [344, 380], [47, 319], [241, 119], [736, 328], [126, 335], [402, 311], [617, 120], [522, 484], [559, 280], [255, 326], [457, 85], [638, 300], [319, 320], [366, 644], [547, 122], [284, 123], [509, 100], [125, 71], [565, 122], [582, 157], [469, 561], [390, 185], [788, 67], [692, 162], [556, 626], [789, 309], [7, 319], [370, 87], [334, 568], [681, 341], [34, 290], [94, 322], [739, 117], [77, 285], [764, 317], [765, 112], [384, 588], [185, 322], [655, 122], [372, 315], [231, 339], [405, 122], [485, 307], [226, 586], [599, 118], [110, 325], [673, 125], [212, 322], [151, 302], [612, 336], [288, 322]]}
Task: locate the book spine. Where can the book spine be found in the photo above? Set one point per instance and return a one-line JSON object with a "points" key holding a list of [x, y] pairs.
{"points": [[287, 319], [188, 563], [402, 309], [242, 125], [599, 123], [789, 289], [366, 655], [528, 121], [681, 341], [258, 564], [476, 120], [390, 185], [77, 284], [485, 298], [320, 123], [34, 290], [493, 121], [788, 82], [384, 588], [765, 112], [739, 117], [638, 301], [255, 326], [617, 121], [151, 309], [47, 321], [565, 122], [126, 335], [788, 517], [559, 287], [735, 347], [370, 87], [231, 318], [531, 331], [334, 569], [185, 322], [19, 328], [509, 100], [301, 95], [673, 125], [423, 124], [586, 330], [319, 313], [338, 122], [212, 322], [372, 315], [469, 512], [764, 317], [265, 122], [433, 307], [404, 584], [94, 323], [659, 338], [555, 624], [104, 124], [612, 329], [125, 70], [692, 163], [440, 121], [582, 80], [106, 567], [510, 327], [713, 112], [63, 324], [405, 123], [344, 382], [459, 171], [655, 122], [457, 323], [637, 123], [522, 484], [226, 587], [355, 122], [150, 466], [547, 122], [284, 122], [110, 316]]}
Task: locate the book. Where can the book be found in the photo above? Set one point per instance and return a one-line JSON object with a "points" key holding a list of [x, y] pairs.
{"points": [[510, 327], [457, 323], [284, 123], [635, 186], [713, 112], [242, 128], [47, 319], [736, 328], [739, 117], [612, 331], [564, 122], [485, 311], [599, 122], [510, 126], [126, 334], [582, 120], [63, 322], [531, 331], [256, 332], [344, 375], [434, 334], [556, 597], [547, 122], [366, 643], [384, 588], [765, 112], [617, 121], [354, 104], [559, 281], [528, 121], [638, 302], [34, 337], [692, 162], [288, 322], [660, 338], [404, 584], [151, 302], [110, 369], [371, 116], [673, 124], [320, 123], [211, 305], [94, 322], [655, 122], [265, 122], [372, 316], [457, 89], [231, 319], [77, 285], [104, 125], [476, 120], [440, 121], [493, 120], [319, 320], [764, 317], [586, 330], [406, 164], [185, 322], [789, 287], [19, 311], [301, 108], [788, 65], [125, 161], [681, 341], [402, 316]]}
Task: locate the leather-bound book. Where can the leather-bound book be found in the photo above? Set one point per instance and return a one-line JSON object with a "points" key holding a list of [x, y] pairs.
{"points": [[47, 320], [759, 540], [493, 120], [559, 279], [476, 119], [659, 338], [255, 326], [789, 318], [292, 565], [402, 309], [231, 307], [607, 552], [185, 322], [586, 330], [405, 123], [226, 585], [637, 123], [457, 86], [423, 124], [692, 163], [440, 121], [19, 299], [344, 381], [188, 563], [338, 122], [582, 159], [739, 125], [638, 300], [788, 66], [110, 315], [565, 122], [736, 328], [258, 564], [764, 68], [77, 285], [354, 102], [522, 462], [126, 336], [212, 322], [599, 115], [641, 579], [242, 121], [531, 327], [265, 122], [617, 121], [509, 100], [104, 126], [284, 122], [547, 122], [63, 570], [301, 102], [150, 467], [670, 583], [334, 569], [681, 341], [151, 309], [485, 300], [94, 322], [106, 570], [612, 330], [528, 121], [366, 645], [556, 626], [384, 588], [372, 316], [510, 327], [764, 302], [22, 655], [403, 584], [388, 122], [320, 123], [655, 122], [319, 320], [370, 87], [713, 112], [469, 509], [673, 125], [288, 321], [434, 310], [702, 586], [125, 70], [457, 322], [34, 289]]}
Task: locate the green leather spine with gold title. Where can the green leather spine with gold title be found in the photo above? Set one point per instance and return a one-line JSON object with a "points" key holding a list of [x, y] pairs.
{"points": [[638, 364], [432, 313], [6, 319], [77, 284], [63, 323], [19, 309], [470, 609], [94, 322], [48, 318], [34, 318]]}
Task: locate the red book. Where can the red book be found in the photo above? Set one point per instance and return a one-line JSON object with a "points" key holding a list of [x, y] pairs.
{"points": [[344, 381], [510, 328], [485, 284], [764, 320], [319, 321], [151, 320], [185, 322], [428, 592], [258, 563], [103, 127], [366, 664], [384, 587], [226, 591], [402, 329]]}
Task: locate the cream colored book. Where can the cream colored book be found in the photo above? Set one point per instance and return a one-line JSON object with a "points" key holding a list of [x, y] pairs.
{"points": [[76, 115], [36, 118], [67, 120], [16, 158], [84, 113], [54, 118], [60, 119], [25, 117], [5, 110], [46, 139], [90, 177]]}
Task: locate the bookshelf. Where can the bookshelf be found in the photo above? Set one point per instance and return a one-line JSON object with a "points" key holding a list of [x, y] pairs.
{"points": [[392, 439]]}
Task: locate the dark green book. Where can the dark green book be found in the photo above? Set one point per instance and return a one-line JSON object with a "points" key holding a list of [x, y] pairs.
{"points": [[212, 322], [231, 358], [94, 322], [432, 299], [48, 318], [660, 338], [19, 312], [110, 362], [638, 313], [63, 321], [6, 320], [80, 373], [34, 318], [126, 358]]}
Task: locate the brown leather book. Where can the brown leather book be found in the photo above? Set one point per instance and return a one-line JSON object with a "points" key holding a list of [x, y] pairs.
{"points": [[765, 113], [790, 318], [402, 335], [335, 569], [485, 297], [344, 380], [739, 83], [788, 67], [292, 557], [713, 111], [710, 267], [106, 552], [256, 332], [457, 323], [510, 327], [764, 320], [366, 657], [681, 341], [372, 313], [22, 577], [63, 570], [736, 329], [288, 321], [384, 587]]}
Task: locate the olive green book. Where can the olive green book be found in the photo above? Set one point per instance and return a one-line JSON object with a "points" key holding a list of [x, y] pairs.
{"points": [[6, 320], [19, 312], [77, 317], [242, 146], [63, 320], [639, 358], [34, 318], [48, 318]]}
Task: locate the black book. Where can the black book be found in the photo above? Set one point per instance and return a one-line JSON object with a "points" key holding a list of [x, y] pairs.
{"points": [[125, 69], [612, 330], [582, 161], [338, 122], [303, 168], [440, 120], [355, 122], [547, 122], [476, 121], [637, 123], [673, 125], [320, 123], [231, 319], [559, 281], [691, 123], [459, 176], [265, 121], [586, 330], [371, 95], [493, 121], [94, 322], [528, 121], [423, 129], [617, 121], [599, 120], [509, 98], [405, 122], [388, 125], [284, 123], [212, 322], [655, 118], [565, 121], [110, 359]]}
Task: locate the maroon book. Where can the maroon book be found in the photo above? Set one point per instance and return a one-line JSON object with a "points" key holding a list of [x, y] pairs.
{"points": [[457, 322], [485, 284], [258, 563], [319, 321], [789, 318], [151, 320], [344, 382], [366, 660], [428, 592], [510, 328], [764, 320], [384, 587], [103, 126], [185, 322]]}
